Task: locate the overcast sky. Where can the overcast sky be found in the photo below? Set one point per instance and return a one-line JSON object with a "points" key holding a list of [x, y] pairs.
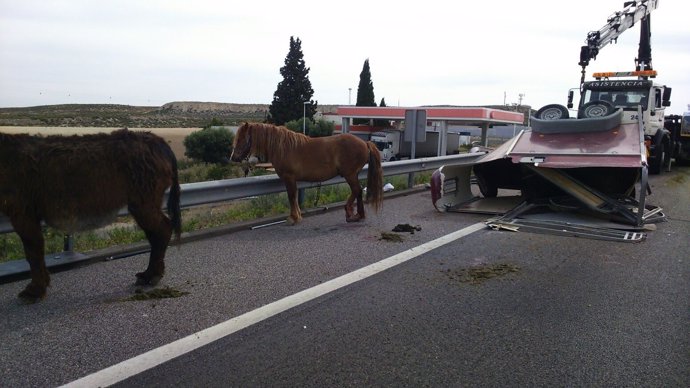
{"points": [[421, 53]]}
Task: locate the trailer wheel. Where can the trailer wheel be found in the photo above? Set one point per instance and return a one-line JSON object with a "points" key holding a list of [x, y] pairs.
{"points": [[552, 112], [597, 108]]}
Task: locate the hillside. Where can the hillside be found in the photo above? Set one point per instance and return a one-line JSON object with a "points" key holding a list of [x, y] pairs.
{"points": [[179, 114]]}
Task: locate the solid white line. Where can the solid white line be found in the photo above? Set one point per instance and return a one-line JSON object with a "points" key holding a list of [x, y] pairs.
{"points": [[158, 356]]}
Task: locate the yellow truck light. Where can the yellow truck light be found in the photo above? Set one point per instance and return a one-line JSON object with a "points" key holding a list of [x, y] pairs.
{"points": [[637, 73]]}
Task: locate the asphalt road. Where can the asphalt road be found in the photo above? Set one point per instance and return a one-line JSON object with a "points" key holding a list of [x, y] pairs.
{"points": [[576, 312]]}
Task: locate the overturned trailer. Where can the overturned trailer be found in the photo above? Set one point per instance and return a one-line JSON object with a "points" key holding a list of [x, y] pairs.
{"points": [[582, 177]]}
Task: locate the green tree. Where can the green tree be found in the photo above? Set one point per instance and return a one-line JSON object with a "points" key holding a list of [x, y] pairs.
{"points": [[209, 145], [365, 91], [293, 90]]}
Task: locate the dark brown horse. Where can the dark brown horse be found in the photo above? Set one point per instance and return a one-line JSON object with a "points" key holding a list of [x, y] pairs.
{"points": [[78, 183], [297, 157]]}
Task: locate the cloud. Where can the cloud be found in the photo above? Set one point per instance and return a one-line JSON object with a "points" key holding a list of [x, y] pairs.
{"points": [[436, 52]]}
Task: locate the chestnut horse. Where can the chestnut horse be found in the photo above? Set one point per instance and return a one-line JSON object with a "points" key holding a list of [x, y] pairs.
{"points": [[297, 157], [75, 183]]}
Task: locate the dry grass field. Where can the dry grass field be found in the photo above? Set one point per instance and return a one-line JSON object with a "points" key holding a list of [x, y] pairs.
{"points": [[174, 136]]}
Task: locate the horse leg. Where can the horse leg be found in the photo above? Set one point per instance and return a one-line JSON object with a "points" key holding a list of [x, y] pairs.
{"points": [[355, 193], [360, 205], [348, 207], [158, 230], [295, 212], [32, 239]]}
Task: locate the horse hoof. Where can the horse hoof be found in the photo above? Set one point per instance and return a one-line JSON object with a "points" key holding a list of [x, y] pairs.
{"points": [[145, 280], [293, 221], [31, 296], [355, 218]]}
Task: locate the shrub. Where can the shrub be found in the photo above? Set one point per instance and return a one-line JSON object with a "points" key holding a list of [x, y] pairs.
{"points": [[210, 145], [218, 172], [320, 128]]}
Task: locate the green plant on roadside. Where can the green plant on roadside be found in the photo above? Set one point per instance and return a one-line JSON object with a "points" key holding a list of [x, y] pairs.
{"points": [[218, 172], [324, 195], [9, 246], [190, 171], [400, 181]]}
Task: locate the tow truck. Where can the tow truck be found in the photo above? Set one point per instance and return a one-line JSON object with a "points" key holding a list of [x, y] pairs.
{"points": [[595, 164], [626, 90]]}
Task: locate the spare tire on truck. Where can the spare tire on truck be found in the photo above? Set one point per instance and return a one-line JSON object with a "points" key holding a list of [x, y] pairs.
{"points": [[552, 112], [594, 109]]}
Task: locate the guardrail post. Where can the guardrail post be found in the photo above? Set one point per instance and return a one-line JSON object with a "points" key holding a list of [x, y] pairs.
{"points": [[300, 197], [68, 243], [68, 254]]}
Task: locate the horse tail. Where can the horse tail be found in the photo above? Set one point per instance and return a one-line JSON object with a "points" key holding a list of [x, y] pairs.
{"points": [[374, 177], [174, 197]]}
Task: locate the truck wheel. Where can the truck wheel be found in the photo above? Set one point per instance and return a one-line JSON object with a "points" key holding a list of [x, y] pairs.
{"points": [[656, 164], [552, 112], [597, 108]]}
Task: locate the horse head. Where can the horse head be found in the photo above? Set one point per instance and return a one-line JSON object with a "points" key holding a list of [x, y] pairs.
{"points": [[242, 145]]}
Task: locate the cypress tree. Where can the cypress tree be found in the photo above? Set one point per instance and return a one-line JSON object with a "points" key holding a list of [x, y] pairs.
{"points": [[365, 90], [293, 90]]}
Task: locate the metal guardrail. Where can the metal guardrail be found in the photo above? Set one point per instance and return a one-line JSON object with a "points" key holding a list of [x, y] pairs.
{"points": [[202, 193]]}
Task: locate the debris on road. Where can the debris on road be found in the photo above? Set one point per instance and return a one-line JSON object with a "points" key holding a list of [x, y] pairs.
{"points": [[407, 228]]}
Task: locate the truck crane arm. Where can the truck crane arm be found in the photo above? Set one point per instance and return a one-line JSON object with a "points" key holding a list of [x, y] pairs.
{"points": [[616, 24]]}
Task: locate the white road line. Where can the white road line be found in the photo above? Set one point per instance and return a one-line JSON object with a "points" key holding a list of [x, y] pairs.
{"points": [[158, 356]]}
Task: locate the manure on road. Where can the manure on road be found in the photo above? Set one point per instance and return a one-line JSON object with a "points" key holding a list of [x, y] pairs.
{"points": [[156, 293], [481, 273]]}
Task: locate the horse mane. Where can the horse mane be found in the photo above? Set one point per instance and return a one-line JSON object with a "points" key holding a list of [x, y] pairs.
{"points": [[274, 142]]}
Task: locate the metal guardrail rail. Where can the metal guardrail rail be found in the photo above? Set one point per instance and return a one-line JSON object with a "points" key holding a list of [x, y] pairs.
{"points": [[202, 193]]}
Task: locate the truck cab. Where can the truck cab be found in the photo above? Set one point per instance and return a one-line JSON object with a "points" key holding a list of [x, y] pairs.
{"points": [[628, 94], [388, 144], [612, 90]]}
